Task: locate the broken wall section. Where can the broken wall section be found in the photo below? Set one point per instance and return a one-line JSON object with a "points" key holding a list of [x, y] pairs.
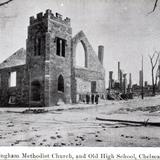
{"points": [[93, 72]]}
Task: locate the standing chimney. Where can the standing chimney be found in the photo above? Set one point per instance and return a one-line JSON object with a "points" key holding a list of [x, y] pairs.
{"points": [[121, 80], [100, 53], [140, 78], [119, 71], [124, 83], [130, 80], [130, 83], [110, 79]]}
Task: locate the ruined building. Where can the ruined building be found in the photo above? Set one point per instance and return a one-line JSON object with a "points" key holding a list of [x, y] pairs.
{"points": [[120, 76], [111, 81], [46, 72]]}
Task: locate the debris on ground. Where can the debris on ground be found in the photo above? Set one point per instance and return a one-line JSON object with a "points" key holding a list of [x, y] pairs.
{"points": [[150, 109], [35, 111], [144, 123]]}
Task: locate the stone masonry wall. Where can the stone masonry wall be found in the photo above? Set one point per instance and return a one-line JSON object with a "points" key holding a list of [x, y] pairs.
{"points": [[6, 91], [94, 70], [59, 65], [83, 87], [47, 67], [36, 65]]}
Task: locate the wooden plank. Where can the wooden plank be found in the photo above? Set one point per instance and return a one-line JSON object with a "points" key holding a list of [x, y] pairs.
{"points": [[145, 123]]}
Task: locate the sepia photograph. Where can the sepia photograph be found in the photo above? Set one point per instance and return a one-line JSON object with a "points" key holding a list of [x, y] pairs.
{"points": [[80, 73]]}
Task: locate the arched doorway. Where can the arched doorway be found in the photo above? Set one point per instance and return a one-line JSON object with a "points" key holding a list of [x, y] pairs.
{"points": [[35, 91], [60, 83]]}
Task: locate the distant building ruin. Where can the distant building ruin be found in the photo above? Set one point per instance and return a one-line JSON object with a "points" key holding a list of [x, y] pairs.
{"points": [[140, 78], [46, 72]]}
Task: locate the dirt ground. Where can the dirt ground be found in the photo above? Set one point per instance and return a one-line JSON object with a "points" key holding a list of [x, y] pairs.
{"points": [[72, 125]]}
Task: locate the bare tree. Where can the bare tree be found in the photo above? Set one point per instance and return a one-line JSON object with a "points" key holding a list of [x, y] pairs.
{"points": [[155, 6], [154, 59], [6, 2]]}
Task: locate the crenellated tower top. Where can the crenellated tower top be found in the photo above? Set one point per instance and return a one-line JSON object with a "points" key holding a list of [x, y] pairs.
{"points": [[49, 15]]}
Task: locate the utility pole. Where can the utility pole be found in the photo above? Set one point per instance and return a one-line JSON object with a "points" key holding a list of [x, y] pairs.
{"points": [[142, 92]]}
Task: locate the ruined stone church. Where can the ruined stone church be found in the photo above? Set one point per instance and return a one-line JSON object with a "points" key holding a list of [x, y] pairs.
{"points": [[46, 71]]}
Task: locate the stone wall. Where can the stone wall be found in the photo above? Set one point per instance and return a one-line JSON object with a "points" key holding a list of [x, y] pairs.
{"points": [[93, 70], [6, 91], [35, 64], [44, 66], [87, 75], [83, 87], [59, 65], [92, 61], [47, 67]]}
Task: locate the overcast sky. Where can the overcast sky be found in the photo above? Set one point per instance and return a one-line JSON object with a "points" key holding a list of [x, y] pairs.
{"points": [[122, 26]]}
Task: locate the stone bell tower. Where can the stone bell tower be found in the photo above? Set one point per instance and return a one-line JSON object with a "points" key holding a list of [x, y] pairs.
{"points": [[48, 61]]}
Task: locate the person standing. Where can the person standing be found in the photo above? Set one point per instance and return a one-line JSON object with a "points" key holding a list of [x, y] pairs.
{"points": [[87, 98], [92, 98], [96, 98]]}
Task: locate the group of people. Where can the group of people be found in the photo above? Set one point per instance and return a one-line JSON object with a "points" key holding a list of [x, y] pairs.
{"points": [[93, 98]]}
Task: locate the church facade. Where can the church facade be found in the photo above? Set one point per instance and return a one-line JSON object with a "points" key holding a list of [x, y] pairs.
{"points": [[46, 71]]}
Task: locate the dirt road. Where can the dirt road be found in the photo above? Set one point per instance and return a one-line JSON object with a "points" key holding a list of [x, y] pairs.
{"points": [[79, 127]]}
